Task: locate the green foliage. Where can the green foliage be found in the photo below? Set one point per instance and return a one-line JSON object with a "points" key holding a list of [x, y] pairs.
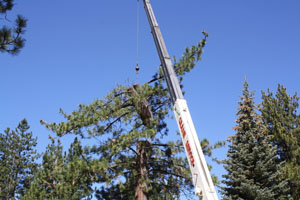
{"points": [[127, 127], [280, 116], [11, 40], [6, 5], [187, 62], [17, 161], [207, 150], [252, 171], [62, 176]]}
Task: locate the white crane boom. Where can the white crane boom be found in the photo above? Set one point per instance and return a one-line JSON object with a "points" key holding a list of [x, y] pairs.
{"points": [[201, 177]]}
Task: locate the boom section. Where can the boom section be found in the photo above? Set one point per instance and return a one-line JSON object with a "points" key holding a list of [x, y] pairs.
{"points": [[167, 66], [201, 177]]}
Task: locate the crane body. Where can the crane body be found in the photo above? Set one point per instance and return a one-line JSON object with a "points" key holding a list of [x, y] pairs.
{"points": [[201, 177]]}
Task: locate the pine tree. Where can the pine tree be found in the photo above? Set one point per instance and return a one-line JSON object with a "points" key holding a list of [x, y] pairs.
{"points": [[11, 40], [62, 176], [17, 161], [252, 171], [280, 116], [133, 161]]}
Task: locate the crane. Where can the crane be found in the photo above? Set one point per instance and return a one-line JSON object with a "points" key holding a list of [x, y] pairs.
{"points": [[201, 177]]}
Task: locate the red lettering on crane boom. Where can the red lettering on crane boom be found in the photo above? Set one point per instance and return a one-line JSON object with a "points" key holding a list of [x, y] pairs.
{"points": [[190, 153], [182, 127], [187, 144]]}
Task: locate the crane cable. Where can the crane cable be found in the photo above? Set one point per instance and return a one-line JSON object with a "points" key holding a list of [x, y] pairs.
{"points": [[137, 68]]}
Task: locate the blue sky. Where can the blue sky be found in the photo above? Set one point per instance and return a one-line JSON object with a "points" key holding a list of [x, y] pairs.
{"points": [[77, 51]]}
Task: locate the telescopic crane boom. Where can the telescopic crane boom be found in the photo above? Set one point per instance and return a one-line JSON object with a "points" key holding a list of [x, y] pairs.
{"points": [[201, 177]]}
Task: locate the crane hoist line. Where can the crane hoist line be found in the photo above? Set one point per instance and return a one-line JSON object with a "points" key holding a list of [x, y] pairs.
{"points": [[201, 177]]}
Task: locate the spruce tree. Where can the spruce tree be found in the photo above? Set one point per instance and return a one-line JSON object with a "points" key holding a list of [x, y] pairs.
{"points": [[132, 158], [62, 176], [280, 115], [11, 39], [17, 161], [252, 171]]}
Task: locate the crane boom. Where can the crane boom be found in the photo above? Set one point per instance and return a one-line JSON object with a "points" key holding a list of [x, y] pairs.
{"points": [[201, 177]]}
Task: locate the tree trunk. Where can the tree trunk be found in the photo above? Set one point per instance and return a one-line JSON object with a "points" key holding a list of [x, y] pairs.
{"points": [[143, 147], [143, 151], [142, 107]]}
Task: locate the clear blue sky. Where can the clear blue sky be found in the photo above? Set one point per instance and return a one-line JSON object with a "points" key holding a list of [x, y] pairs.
{"points": [[77, 51]]}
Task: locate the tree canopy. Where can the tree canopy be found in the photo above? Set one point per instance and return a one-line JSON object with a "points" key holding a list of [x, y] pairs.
{"points": [[252, 170], [280, 115], [11, 38], [18, 161], [62, 175]]}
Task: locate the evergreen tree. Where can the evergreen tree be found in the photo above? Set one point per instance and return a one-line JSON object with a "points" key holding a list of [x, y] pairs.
{"points": [[280, 116], [11, 40], [62, 176], [132, 160], [252, 171], [17, 161]]}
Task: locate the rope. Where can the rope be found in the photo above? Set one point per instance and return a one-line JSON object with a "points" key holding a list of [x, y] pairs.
{"points": [[137, 30], [137, 68]]}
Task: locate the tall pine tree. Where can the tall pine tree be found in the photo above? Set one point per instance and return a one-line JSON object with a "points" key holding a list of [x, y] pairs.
{"points": [[252, 171], [132, 158], [62, 176], [11, 39], [280, 115], [17, 161]]}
